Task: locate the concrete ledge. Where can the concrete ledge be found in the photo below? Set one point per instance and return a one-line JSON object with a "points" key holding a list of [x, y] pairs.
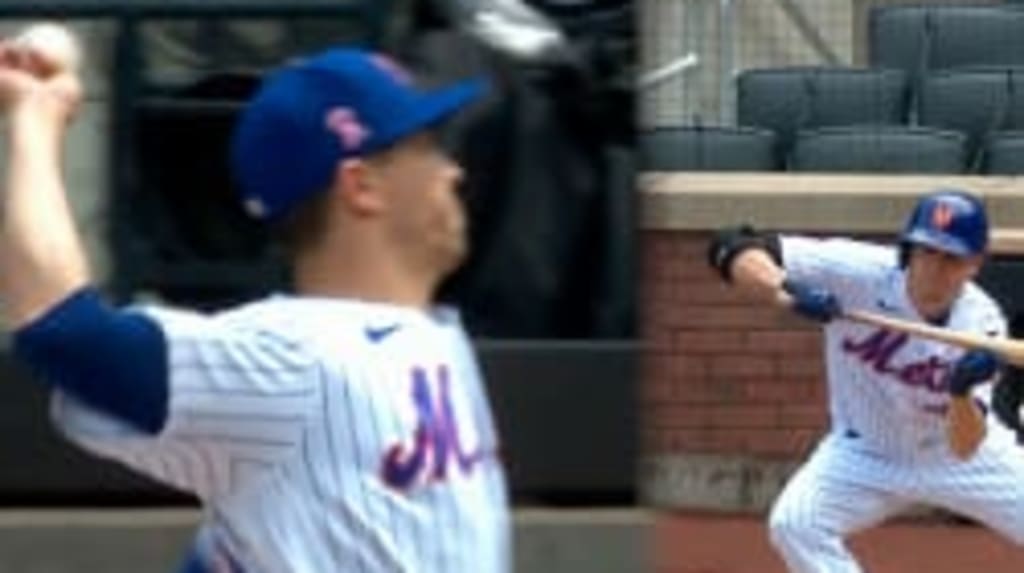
{"points": [[695, 201], [612, 540], [713, 485], [710, 482]]}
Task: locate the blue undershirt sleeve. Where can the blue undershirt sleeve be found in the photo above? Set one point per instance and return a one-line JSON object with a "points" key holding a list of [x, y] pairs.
{"points": [[112, 360]]}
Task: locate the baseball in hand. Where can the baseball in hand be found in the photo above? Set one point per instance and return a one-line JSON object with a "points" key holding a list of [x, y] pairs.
{"points": [[55, 44]]}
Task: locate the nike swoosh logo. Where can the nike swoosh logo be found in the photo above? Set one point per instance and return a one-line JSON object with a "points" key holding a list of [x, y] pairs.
{"points": [[378, 333]]}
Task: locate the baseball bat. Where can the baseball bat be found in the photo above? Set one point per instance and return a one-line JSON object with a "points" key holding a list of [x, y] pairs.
{"points": [[1009, 349]]}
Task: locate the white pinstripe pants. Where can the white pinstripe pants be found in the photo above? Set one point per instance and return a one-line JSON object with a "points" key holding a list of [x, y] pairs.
{"points": [[843, 489]]}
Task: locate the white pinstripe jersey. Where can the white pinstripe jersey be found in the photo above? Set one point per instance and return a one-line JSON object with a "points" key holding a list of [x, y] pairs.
{"points": [[324, 435], [889, 388]]}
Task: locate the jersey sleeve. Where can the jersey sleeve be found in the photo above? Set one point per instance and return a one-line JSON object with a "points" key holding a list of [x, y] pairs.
{"points": [[239, 402], [842, 266], [988, 318]]}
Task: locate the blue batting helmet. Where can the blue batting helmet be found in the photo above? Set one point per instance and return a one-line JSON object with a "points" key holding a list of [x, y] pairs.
{"points": [[949, 220]]}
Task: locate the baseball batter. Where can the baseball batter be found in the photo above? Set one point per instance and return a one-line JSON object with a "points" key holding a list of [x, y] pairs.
{"points": [[909, 421], [341, 428]]}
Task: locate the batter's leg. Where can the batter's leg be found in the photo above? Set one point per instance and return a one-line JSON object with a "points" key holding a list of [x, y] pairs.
{"points": [[988, 488], [836, 493]]}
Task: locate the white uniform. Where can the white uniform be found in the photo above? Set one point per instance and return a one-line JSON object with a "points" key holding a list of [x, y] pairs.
{"points": [[886, 448], [324, 435]]}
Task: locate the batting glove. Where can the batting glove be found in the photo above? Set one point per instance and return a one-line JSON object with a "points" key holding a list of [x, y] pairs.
{"points": [[812, 302], [974, 367]]}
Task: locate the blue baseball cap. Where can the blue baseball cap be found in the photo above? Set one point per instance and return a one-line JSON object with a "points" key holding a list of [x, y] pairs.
{"points": [[315, 112]]}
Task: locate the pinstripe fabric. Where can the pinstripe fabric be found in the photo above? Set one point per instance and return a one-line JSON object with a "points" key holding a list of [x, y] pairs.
{"points": [[879, 381], [886, 447], [317, 445]]}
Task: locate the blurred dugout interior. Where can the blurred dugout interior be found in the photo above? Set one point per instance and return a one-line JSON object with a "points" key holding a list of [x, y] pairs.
{"points": [[547, 292]]}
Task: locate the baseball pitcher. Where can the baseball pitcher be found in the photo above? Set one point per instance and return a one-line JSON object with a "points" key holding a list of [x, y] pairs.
{"points": [[342, 427]]}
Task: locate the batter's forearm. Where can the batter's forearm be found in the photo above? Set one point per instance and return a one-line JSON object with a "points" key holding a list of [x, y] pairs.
{"points": [[965, 426], [41, 257], [756, 274]]}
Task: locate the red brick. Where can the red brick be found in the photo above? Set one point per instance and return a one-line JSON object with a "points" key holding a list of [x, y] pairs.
{"points": [[659, 390], [709, 391], [663, 274], [741, 365], [721, 373], [726, 441], [683, 368], [682, 272], [791, 321], [809, 390], [675, 245], [793, 341], [704, 292], [656, 365], [654, 441], [680, 416], [660, 291], [802, 415], [693, 246], [708, 341], [806, 365], [724, 316], [657, 338], [767, 390], [655, 315], [657, 246], [790, 390], [687, 439], [787, 443], [741, 415]]}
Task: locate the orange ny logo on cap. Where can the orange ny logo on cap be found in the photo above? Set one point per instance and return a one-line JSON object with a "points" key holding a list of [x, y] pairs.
{"points": [[942, 215]]}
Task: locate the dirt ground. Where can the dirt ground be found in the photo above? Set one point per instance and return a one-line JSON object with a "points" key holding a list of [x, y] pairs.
{"points": [[687, 543]]}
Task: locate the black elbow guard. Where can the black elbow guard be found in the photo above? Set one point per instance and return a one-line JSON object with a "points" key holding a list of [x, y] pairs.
{"points": [[727, 244]]}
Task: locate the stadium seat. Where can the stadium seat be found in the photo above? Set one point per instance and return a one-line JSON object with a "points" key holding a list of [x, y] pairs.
{"points": [[921, 37], [1003, 154], [786, 100], [707, 148], [887, 149], [974, 101]]}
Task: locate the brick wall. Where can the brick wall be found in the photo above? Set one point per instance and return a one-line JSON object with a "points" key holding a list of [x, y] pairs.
{"points": [[722, 375]]}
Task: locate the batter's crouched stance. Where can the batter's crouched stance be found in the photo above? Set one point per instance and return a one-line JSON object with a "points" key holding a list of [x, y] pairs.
{"points": [[342, 428], [908, 416]]}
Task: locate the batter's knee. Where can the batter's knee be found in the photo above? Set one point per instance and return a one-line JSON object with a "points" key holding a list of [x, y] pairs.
{"points": [[791, 531]]}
